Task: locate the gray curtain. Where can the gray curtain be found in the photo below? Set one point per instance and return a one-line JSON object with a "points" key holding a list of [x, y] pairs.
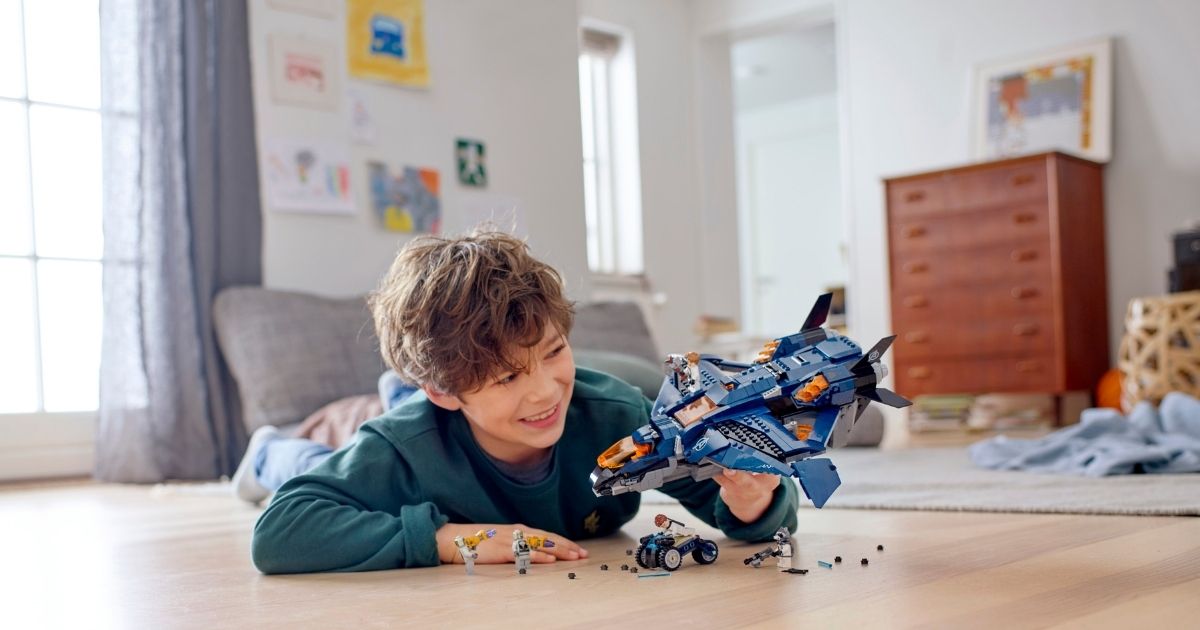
{"points": [[181, 222]]}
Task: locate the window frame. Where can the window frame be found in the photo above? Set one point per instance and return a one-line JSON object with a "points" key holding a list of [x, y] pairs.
{"points": [[41, 443], [610, 159]]}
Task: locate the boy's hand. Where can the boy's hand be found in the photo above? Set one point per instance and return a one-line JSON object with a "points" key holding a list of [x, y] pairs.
{"points": [[747, 494], [498, 549]]}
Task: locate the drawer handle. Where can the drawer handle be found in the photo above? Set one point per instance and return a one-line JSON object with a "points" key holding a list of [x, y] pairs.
{"points": [[1024, 293], [915, 231], [1029, 366], [919, 372], [915, 196], [1024, 255], [1021, 218], [916, 301], [1025, 330], [917, 337], [916, 267], [1022, 179]]}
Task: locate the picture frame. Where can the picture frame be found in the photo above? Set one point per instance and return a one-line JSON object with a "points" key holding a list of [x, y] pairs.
{"points": [[1058, 100]]}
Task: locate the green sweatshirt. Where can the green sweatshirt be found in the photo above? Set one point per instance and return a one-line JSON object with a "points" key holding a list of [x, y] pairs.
{"points": [[377, 503]]}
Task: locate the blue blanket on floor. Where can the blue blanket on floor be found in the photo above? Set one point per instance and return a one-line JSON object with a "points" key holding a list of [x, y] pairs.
{"points": [[1150, 440]]}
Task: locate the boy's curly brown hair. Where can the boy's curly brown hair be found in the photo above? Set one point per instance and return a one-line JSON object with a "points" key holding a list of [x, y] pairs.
{"points": [[454, 312]]}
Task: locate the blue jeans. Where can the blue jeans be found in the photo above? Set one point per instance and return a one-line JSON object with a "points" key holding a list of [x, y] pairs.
{"points": [[282, 458]]}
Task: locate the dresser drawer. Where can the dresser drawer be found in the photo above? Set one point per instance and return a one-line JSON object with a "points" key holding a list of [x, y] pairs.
{"points": [[972, 230], [1001, 265], [915, 197], [915, 307], [997, 185], [1033, 373], [976, 336]]}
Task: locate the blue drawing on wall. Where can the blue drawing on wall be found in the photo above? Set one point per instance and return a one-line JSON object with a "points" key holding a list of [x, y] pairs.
{"points": [[387, 37]]}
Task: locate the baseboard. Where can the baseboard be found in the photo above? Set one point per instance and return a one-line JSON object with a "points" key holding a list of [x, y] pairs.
{"points": [[45, 446], [47, 462]]}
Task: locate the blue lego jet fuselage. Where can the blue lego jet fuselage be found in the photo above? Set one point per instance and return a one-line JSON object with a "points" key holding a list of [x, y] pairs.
{"points": [[803, 395]]}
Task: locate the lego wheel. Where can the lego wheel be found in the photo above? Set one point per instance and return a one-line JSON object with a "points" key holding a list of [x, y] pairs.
{"points": [[643, 556], [669, 559], [705, 552]]}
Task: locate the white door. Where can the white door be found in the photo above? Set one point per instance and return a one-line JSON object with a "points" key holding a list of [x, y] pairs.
{"points": [[796, 229]]}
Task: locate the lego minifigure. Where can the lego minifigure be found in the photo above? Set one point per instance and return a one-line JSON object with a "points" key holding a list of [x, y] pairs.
{"points": [[783, 544], [782, 549], [523, 548], [466, 547], [683, 371]]}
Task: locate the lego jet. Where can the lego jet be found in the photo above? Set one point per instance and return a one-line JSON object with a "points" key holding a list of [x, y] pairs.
{"points": [[803, 393]]}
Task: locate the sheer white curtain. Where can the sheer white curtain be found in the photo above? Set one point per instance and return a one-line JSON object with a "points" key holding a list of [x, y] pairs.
{"points": [[181, 221]]}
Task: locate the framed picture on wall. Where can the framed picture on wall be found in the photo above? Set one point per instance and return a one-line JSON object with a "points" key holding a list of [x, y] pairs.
{"points": [[1055, 100]]}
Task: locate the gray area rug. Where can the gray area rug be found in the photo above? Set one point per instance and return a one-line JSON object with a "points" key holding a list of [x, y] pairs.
{"points": [[944, 479]]}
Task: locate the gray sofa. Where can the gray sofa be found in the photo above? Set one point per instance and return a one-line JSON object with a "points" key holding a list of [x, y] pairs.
{"points": [[291, 353]]}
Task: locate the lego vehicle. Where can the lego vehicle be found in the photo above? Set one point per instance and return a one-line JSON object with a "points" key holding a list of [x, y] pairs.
{"points": [[667, 548], [802, 394]]}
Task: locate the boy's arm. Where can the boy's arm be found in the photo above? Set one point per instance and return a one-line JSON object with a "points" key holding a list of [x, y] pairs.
{"points": [[358, 511]]}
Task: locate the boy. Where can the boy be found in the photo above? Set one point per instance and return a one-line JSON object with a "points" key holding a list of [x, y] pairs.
{"points": [[503, 434]]}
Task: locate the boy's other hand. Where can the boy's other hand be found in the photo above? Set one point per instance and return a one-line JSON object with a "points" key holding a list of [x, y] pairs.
{"points": [[747, 494], [498, 549]]}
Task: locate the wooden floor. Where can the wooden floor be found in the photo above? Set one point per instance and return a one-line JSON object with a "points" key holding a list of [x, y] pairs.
{"points": [[92, 556]]}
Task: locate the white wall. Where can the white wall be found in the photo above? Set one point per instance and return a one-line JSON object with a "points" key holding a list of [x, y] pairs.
{"points": [[671, 219], [505, 73], [908, 66]]}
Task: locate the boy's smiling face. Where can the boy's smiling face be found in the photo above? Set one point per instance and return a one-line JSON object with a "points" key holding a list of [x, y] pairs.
{"points": [[517, 416]]}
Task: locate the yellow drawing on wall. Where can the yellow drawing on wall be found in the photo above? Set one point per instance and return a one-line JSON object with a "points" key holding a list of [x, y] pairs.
{"points": [[385, 41]]}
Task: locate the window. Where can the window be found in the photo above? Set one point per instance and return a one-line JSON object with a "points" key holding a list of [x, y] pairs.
{"points": [[611, 169], [51, 192]]}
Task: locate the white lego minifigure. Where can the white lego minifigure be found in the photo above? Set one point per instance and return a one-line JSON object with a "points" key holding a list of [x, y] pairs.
{"points": [[521, 552], [684, 371], [466, 547], [783, 548]]}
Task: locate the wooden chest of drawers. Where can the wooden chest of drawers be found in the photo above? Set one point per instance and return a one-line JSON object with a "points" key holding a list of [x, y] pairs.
{"points": [[998, 277]]}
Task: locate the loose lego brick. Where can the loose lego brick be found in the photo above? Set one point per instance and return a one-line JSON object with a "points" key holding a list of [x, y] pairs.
{"points": [[604, 567], [633, 569], [570, 576], [878, 547], [837, 559], [624, 567], [650, 575], [824, 564], [629, 552], [795, 571], [864, 562]]}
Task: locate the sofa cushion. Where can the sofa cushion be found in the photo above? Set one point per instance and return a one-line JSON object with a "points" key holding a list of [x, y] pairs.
{"points": [[632, 369], [292, 353], [614, 327]]}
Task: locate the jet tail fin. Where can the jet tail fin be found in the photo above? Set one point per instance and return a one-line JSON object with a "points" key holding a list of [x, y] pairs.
{"points": [[888, 397], [818, 479], [819, 312], [863, 366]]}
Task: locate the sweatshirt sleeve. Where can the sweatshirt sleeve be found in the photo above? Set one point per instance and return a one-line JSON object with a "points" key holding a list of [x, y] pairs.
{"points": [[357, 511]]}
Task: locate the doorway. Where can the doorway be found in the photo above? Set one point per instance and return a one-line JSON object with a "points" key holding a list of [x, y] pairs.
{"points": [[793, 239]]}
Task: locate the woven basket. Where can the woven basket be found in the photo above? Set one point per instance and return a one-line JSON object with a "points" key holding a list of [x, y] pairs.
{"points": [[1160, 351]]}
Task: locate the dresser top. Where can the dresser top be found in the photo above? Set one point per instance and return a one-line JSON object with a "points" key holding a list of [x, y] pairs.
{"points": [[975, 166]]}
